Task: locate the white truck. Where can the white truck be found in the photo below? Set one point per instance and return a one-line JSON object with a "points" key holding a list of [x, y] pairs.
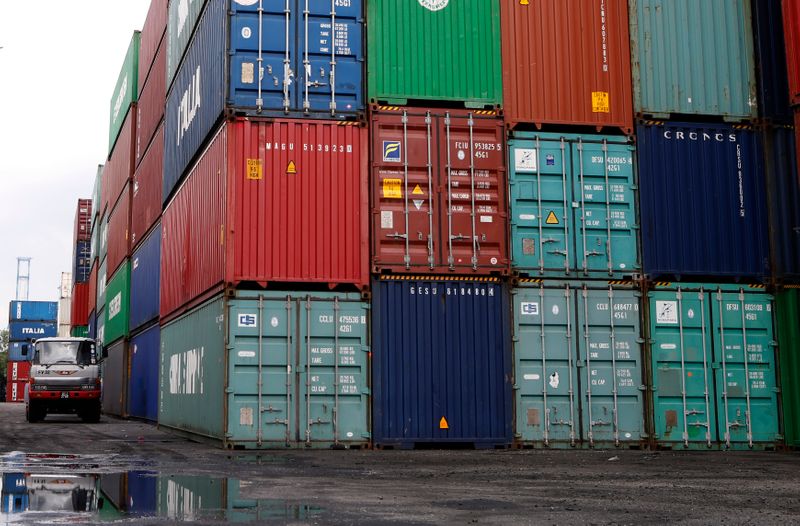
{"points": [[64, 378]]}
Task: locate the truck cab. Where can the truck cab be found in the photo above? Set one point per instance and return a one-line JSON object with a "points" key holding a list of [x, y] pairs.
{"points": [[64, 378]]}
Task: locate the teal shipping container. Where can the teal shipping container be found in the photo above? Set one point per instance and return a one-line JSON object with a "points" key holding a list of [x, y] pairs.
{"points": [[578, 376], [714, 367], [693, 57], [269, 370], [573, 206]]}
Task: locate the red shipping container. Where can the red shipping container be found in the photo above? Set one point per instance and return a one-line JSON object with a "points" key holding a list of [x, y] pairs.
{"points": [[79, 310], [269, 201], [119, 227], [153, 30], [15, 391], [152, 101], [791, 29], [567, 62], [420, 227], [119, 168], [91, 301], [18, 371], [147, 188], [83, 221]]}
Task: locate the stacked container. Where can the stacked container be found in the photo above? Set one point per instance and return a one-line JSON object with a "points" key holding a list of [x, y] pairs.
{"points": [[82, 238], [27, 322], [65, 305]]}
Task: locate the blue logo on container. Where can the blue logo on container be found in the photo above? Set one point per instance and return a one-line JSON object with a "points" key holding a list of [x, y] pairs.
{"points": [[391, 151], [550, 160], [247, 320]]}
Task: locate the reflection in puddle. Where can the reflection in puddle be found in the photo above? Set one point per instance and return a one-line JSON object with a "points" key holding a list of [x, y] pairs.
{"points": [[32, 498]]}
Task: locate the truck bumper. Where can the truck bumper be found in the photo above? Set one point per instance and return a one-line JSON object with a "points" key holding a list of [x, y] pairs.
{"points": [[64, 395]]}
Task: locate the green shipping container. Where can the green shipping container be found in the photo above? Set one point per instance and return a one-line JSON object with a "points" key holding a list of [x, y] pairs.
{"points": [[102, 281], [443, 50], [97, 194], [118, 294], [270, 369], [693, 57], [79, 332], [182, 19], [578, 364], [573, 206], [707, 391], [125, 91], [787, 312]]}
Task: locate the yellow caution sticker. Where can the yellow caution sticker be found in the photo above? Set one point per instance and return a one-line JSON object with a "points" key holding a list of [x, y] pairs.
{"points": [[255, 170], [524, 2], [291, 169], [552, 219], [418, 191], [443, 424], [600, 102], [392, 188]]}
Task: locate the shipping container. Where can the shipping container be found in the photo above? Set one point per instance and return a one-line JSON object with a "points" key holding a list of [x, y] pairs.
{"points": [[101, 326], [91, 301], [783, 197], [18, 371], [703, 209], [143, 381], [80, 331], [567, 62], [439, 190], [791, 26], [145, 279], [102, 281], [125, 92], [269, 369], [151, 41], [115, 379], [65, 313], [787, 316], [434, 50], [573, 205], [15, 351], [83, 221], [79, 304], [81, 261], [24, 310], [277, 201], [222, 61], [713, 366], [119, 228], [92, 326], [118, 308], [95, 247], [770, 48], [146, 200], [15, 391], [119, 169], [441, 362], [578, 373], [141, 490], [97, 194], [693, 58], [181, 22], [25, 331], [151, 106]]}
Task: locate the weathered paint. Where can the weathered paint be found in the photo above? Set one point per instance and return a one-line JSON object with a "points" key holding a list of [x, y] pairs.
{"points": [[115, 379], [143, 380], [573, 205]]}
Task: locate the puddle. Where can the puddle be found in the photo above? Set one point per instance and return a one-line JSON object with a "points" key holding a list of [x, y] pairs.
{"points": [[59, 498]]}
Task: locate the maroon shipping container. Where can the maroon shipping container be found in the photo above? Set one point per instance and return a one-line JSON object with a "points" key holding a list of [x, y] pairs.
{"points": [[19, 371], [119, 168], [119, 227], [83, 221], [15, 391], [79, 309], [91, 301], [418, 225], [269, 201], [567, 62], [147, 187], [153, 30], [791, 28], [152, 100]]}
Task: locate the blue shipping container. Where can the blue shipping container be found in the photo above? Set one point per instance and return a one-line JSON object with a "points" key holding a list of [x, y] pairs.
{"points": [[145, 280], [773, 80], [783, 196], [143, 380], [441, 363], [92, 325], [23, 331], [33, 311], [82, 259], [702, 201], [309, 72], [142, 493], [15, 352]]}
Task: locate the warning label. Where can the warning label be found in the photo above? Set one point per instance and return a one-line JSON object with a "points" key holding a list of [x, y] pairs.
{"points": [[667, 312], [392, 188], [291, 169], [418, 191], [552, 219], [525, 160], [600, 102], [255, 169]]}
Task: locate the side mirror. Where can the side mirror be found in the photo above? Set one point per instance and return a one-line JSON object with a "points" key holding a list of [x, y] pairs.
{"points": [[104, 353], [24, 349]]}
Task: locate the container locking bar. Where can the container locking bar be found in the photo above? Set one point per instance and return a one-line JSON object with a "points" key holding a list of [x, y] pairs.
{"points": [[566, 208], [540, 212], [332, 75], [615, 381], [336, 370], [431, 260], [679, 298], [407, 256], [544, 367], [260, 432], [724, 369], [702, 297], [287, 66], [746, 369], [568, 302], [608, 209], [475, 242], [450, 258]]}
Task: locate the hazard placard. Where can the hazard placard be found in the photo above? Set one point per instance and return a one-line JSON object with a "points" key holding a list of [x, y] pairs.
{"points": [[392, 188], [418, 191], [255, 169], [443, 424], [552, 219], [291, 169], [600, 102]]}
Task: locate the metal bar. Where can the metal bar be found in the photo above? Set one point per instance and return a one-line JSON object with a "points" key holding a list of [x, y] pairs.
{"points": [[306, 62], [608, 209], [259, 97], [260, 324], [583, 208], [450, 258], [544, 367], [332, 74], [475, 245], [679, 297], [539, 203], [564, 190], [724, 369], [431, 260], [567, 298], [288, 366], [590, 435], [287, 67], [614, 364], [746, 369], [308, 370], [336, 370], [702, 296], [407, 257]]}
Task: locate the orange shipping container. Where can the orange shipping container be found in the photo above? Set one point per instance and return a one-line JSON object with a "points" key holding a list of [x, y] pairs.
{"points": [[567, 62]]}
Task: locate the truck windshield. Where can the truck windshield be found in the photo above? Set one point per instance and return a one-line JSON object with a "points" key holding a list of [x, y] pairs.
{"points": [[51, 353]]}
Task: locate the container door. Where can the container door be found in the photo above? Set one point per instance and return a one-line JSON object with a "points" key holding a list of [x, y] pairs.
{"points": [[545, 356], [474, 228], [262, 412], [683, 379], [540, 199], [744, 350], [333, 370], [604, 209], [610, 354]]}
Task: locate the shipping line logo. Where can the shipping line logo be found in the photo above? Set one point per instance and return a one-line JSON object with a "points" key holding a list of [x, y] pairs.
{"points": [[434, 5], [391, 151], [115, 306], [248, 320], [190, 103], [699, 136]]}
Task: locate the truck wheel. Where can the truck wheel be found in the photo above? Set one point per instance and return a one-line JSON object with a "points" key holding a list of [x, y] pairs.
{"points": [[33, 413], [91, 414]]}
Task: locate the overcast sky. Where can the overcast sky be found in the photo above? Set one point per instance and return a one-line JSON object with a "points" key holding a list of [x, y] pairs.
{"points": [[59, 63]]}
